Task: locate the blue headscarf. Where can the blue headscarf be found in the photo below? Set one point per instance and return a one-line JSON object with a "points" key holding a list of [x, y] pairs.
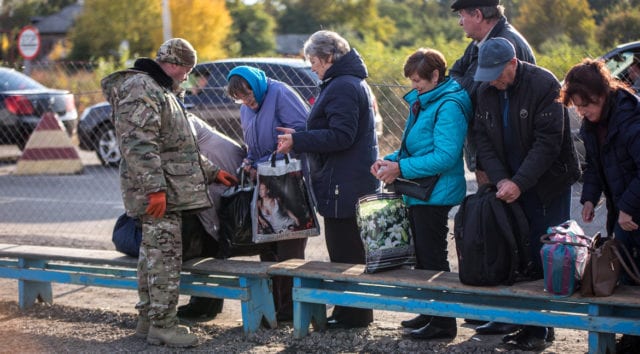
{"points": [[256, 79]]}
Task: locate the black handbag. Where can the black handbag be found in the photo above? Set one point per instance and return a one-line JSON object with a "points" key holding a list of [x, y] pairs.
{"points": [[420, 188]]}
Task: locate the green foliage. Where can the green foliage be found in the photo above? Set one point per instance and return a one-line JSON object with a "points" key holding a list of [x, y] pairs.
{"points": [[105, 24], [417, 19], [560, 54], [358, 17], [544, 20], [620, 26], [253, 30]]}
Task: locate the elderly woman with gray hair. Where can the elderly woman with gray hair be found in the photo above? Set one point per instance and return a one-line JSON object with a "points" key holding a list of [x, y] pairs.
{"points": [[341, 145]]}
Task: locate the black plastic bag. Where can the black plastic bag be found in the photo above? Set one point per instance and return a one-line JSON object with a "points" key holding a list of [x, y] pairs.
{"points": [[236, 236]]}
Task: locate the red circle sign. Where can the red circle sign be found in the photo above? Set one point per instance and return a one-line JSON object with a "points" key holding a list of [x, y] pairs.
{"points": [[29, 42]]}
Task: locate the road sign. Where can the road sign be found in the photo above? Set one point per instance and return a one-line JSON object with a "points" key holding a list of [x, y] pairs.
{"points": [[29, 42]]}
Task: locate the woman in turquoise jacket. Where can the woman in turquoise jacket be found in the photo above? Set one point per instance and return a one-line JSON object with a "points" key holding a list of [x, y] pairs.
{"points": [[432, 145]]}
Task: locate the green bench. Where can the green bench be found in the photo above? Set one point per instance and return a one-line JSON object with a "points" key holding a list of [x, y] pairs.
{"points": [[441, 293], [36, 267]]}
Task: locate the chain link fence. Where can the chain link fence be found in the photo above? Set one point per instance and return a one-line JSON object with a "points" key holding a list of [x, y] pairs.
{"points": [[82, 207]]}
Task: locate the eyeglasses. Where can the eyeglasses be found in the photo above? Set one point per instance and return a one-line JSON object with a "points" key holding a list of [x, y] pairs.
{"points": [[239, 99]]}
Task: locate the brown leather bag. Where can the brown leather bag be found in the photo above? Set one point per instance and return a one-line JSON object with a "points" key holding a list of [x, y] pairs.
{"points": [[603, 268]]}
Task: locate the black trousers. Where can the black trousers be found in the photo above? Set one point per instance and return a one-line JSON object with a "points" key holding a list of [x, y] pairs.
{"points": [[344, 245], [429, 227]]}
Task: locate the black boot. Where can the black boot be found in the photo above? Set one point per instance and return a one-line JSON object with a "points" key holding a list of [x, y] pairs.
{"points": [[416, 322], [497, 328], [438, 328], [203, 308]]}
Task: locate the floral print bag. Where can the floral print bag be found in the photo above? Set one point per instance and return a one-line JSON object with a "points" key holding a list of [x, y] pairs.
{"points": [[385, 232]]}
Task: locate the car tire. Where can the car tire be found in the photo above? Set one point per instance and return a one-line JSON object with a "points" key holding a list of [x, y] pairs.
{"points": [[106, 145]]}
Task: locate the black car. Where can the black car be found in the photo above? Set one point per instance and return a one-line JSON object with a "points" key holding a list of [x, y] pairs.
{"points": [[208, 101], [23, 101]]}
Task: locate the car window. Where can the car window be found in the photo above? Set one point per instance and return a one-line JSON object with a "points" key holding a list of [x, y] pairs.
{"points": [[619, 63], [13, 80]]}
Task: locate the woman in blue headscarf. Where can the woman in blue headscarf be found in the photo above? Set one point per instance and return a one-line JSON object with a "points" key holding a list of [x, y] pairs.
{"points": [[267, 104]]}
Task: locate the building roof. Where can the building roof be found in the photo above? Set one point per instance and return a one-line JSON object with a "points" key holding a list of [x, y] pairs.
{"points": [[59, 22]]}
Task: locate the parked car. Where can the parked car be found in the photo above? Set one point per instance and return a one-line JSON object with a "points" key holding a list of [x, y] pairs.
{"points": [[207, 99], [618, 60], [96, 132], [23, 101]]}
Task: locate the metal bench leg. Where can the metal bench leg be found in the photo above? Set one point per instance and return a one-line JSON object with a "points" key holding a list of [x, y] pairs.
{"points": [[600, 342], [29, 291], [305, 313], [259, 304]]}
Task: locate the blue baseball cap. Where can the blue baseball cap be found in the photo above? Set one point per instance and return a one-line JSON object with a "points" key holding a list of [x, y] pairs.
{"points": [[493, 56]]}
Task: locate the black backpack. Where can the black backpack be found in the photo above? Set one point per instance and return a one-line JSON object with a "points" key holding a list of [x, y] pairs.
{"points": [[492, 240]]}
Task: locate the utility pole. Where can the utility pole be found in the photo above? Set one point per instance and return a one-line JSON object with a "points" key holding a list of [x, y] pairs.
{"points": [[166, 21]]}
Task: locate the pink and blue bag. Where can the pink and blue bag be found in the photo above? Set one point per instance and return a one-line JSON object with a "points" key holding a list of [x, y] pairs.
{"points": [[564, 255]]}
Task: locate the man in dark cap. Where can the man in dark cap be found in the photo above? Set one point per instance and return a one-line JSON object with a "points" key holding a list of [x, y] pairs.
{"points": [[481, 20], [162, 175], [524, 145]]}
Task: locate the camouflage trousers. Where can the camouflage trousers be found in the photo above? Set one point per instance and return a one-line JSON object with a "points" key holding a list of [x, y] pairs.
{"points": [[159, 266]]}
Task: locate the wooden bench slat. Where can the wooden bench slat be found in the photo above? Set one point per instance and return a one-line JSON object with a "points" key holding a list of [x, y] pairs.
{"points": [[446, 281], [228, 266], [90, 256], [115, 258]]}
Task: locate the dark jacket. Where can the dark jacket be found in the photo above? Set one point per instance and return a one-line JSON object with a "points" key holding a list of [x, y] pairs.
{"points": [[464, 68], [613, 168], [539, 123], [340, 139]]}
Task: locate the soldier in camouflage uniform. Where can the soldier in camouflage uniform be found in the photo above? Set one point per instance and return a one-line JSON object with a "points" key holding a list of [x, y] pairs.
{"points": [[162, 175]]}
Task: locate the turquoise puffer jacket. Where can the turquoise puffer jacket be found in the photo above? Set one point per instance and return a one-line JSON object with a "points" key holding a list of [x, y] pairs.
{"points": [[434, 140]]}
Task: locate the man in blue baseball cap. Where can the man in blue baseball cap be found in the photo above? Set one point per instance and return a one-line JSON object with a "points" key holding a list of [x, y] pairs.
{"points": [[481, 20], [524, 145], [497, 54]]}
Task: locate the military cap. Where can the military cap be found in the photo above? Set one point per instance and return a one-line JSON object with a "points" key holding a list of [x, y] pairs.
{"points": [[177, 51], [464, 4]]}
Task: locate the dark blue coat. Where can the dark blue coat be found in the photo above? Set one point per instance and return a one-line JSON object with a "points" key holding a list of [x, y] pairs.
{"points": [[340, 140], [613, 169]]}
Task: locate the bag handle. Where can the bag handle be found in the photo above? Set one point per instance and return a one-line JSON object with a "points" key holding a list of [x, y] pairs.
{"points": [[631, 271], [273, 158], [546, 238]]}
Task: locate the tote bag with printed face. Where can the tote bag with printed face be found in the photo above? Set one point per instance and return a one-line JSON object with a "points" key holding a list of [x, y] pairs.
{"points": [[282, 207]]}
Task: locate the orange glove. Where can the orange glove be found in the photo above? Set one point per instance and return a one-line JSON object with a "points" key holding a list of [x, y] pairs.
{"points": [[226, 178], [157, 204]]}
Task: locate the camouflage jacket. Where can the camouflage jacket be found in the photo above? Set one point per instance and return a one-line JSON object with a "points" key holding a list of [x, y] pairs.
{"points": [[159, 150]]}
